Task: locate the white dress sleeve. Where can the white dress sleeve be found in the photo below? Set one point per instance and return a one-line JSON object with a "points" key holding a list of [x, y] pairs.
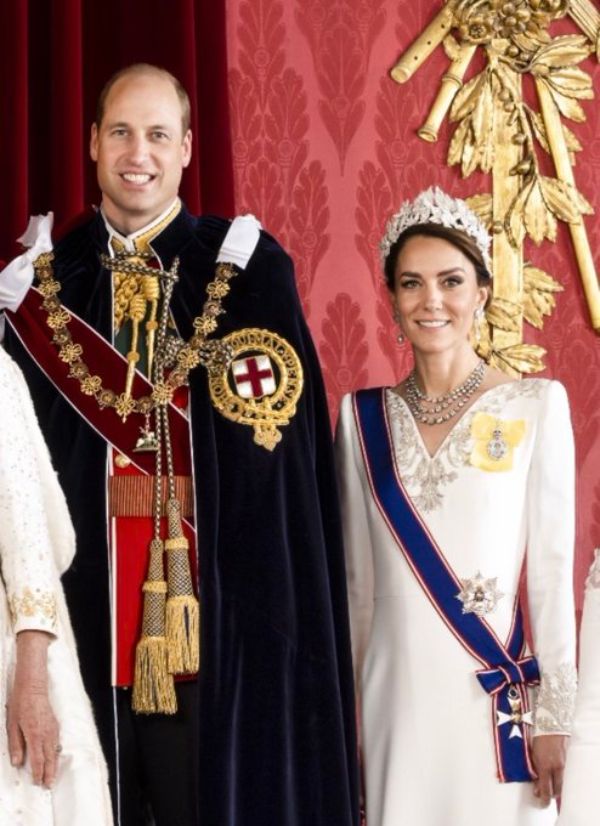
{"points": [[582, 772], [26, 555], [357, 539], [551, 529]]}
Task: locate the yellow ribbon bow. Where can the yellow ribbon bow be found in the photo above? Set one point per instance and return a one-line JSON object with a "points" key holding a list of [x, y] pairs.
{"points": [[495, 440]]}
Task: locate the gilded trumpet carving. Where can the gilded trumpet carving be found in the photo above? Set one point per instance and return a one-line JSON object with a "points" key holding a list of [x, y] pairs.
{"points": [[501, 132]]}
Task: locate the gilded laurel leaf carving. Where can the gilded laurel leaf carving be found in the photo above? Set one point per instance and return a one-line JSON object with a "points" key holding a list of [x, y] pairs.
{"points": [[571, 140], [466, 99], [539, 300], [482, 206], [519, 358], [504, 314], [539, 129], [568, 50], [498, 132], [564, 200], [522, 358], [536, 279]]}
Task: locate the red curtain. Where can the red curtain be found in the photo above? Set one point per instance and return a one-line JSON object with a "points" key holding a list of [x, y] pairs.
{"points": [[54, 59]]}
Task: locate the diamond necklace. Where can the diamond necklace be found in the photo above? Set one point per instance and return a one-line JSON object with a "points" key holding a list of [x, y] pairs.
{"points": [[439, 409]]}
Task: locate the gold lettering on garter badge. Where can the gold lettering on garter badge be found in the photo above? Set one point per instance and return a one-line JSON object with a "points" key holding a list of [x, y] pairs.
{"points": [[259, 384]]}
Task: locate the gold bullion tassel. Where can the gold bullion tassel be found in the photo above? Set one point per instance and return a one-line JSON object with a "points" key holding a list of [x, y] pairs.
{"points": [[153, 684], [183, 610]]}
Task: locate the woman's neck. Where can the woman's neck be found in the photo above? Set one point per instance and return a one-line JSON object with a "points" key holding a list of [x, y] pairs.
{"points": [[440, 373]]}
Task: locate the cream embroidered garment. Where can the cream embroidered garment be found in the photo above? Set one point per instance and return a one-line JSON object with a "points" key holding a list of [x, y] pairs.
{"points": [[36, 546], [427, 734], [582, 773]]}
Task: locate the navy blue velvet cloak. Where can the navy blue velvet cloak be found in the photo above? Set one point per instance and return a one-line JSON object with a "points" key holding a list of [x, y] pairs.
{"points": [[277, 732]]}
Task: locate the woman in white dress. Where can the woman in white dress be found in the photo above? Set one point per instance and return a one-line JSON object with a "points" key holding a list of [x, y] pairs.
{"points": [[579, 804], [446, 480], [52, 771]]}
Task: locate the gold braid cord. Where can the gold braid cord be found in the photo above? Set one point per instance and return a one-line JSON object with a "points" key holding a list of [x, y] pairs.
{"points": [[189, 356], [170, 640], [498, 132]]}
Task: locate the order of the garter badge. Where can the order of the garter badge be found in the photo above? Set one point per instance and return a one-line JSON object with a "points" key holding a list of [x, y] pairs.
{"points": [[259, 384]]}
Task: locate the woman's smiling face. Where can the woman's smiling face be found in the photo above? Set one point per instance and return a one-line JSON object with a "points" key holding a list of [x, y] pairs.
{"points": [[435, 294]]}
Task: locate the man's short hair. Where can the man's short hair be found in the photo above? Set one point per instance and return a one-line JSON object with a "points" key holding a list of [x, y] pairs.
{"points": [[146, 69]]}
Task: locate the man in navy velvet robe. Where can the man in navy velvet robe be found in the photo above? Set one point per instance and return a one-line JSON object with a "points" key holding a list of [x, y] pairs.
{"points": [[264, 733]]}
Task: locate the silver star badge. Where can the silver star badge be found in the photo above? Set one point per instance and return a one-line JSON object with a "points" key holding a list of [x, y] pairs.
{"points": [[479, 595]]}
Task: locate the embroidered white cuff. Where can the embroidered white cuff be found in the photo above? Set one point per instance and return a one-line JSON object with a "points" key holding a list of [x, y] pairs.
{"points": [[556, 701], [33, 610]]}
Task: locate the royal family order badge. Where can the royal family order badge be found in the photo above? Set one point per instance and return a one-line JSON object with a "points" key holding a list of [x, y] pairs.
{"points": [[259, 385]]}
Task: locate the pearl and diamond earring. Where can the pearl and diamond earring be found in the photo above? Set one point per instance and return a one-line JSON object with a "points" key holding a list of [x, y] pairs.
{"points": [[477, 322], [400, 336]]}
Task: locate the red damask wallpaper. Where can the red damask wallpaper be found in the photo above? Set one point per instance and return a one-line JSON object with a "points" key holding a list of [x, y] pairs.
{"points": [[325, 148]]}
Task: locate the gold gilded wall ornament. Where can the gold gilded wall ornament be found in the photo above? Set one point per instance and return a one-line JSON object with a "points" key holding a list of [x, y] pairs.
{"points": [[259, 384], [499, 132]]}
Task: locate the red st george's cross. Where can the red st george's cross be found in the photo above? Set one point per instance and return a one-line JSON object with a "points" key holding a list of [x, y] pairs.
{"points": [[254, 377]]}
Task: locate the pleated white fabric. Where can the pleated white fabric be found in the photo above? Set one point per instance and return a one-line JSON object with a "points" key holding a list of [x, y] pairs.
{"points": [[427, 726]]}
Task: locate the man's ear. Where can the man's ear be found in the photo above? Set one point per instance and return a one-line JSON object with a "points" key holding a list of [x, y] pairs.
{"points": [[186, 148], [94, 142]]}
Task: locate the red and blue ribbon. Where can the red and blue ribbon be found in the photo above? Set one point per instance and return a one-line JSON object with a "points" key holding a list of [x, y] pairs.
{"points": [[505, 671]]}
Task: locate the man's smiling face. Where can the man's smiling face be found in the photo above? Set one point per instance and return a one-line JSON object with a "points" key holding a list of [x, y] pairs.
{"points": [[140, 150]]}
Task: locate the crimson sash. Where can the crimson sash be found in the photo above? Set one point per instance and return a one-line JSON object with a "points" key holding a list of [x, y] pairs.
{"points": [[29, 325]]}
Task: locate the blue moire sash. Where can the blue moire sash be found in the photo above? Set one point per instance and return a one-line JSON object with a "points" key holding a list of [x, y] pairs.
{"points": [[505, 672]]}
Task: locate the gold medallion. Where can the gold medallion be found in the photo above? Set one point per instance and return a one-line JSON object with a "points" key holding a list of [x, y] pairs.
{"points": [[259, 384]]}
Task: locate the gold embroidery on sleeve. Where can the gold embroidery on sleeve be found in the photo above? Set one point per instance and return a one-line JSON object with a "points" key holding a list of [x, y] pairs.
{"points": [[33, 603]]}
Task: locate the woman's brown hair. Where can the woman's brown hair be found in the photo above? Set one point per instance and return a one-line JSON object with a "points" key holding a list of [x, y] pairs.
{"points": [[456, 237]]}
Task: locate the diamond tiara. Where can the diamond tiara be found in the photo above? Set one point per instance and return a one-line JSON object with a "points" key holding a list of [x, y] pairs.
{"points": [[433, 206]]}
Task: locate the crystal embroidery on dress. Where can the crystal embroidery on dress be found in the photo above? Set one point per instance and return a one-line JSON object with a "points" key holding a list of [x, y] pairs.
{"points": [[426, 476], [556, 700]]}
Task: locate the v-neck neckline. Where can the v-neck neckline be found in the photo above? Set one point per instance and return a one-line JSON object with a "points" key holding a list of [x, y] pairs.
{"points": [[431, 457]]}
